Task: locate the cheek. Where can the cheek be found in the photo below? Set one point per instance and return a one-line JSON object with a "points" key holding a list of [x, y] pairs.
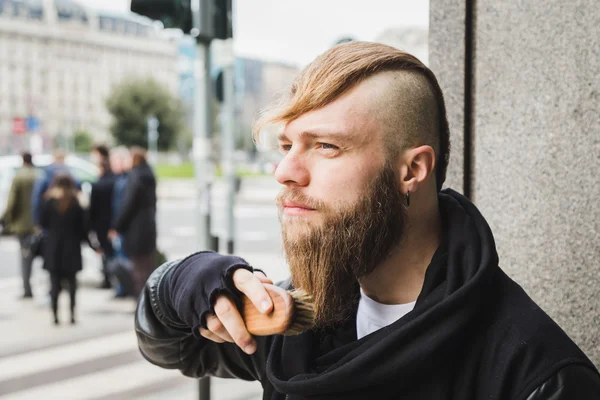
{"points": [[342, 183]]}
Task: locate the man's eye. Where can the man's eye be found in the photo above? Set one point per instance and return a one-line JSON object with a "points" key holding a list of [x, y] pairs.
{"points": [[285, 147], [328, 146]]}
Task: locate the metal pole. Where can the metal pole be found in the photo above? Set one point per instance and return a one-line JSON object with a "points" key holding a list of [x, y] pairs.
{"points": [[201, 148], [153, 124], [228, 142], [203, 169]]}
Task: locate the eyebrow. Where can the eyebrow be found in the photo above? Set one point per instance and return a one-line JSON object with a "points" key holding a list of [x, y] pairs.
{"points": [[344, 137]]}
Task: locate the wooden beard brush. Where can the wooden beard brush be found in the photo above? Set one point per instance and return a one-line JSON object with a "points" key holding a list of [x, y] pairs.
{"points": [[292, 313]]}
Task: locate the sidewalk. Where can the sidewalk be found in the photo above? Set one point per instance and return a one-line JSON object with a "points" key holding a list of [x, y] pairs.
{"points": [[95, 359]]}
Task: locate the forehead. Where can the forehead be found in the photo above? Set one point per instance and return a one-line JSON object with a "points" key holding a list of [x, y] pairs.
{"points": [[351, 116]]}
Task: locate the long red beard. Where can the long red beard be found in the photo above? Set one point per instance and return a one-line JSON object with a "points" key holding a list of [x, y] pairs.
{"points": [[327, 259]]}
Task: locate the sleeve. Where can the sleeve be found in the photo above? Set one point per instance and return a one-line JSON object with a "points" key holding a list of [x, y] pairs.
{"points": [[171, 310], [84, 227], [44, 209], [36, 198], [128, 207], [115, 202], [576, 381], [11, 203], [93, 208]]}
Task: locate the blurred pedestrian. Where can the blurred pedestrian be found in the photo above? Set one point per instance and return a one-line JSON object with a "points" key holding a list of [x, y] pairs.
{"points": [[63, 218], [18, 218], [100, 211], [120, 162], [136, 220], [46, 178]]}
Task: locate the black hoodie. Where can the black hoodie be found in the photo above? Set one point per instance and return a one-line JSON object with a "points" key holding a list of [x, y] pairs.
{"points": [[473, 334]]}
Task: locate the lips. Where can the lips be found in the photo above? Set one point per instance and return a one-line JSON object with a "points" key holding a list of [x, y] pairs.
{"points": [[292, 204]]}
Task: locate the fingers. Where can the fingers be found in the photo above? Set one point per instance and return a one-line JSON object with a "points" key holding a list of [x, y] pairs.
{"points": [[263, 278], [227, 324], [211, 336], [252, 286], [216, 331], [231, 320]]}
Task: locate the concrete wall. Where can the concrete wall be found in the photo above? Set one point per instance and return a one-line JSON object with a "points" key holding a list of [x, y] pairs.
{"points": [[535, 142]]}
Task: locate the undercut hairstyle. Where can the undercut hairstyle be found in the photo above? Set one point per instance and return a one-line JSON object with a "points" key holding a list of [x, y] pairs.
{"points": [[412, 110]]}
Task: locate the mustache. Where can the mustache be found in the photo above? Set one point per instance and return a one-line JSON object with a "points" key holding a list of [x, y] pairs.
{"points": [[297, 197]]}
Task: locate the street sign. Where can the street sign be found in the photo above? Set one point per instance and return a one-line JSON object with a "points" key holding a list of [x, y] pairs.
{"points": [[19, 126], [32, 123]]}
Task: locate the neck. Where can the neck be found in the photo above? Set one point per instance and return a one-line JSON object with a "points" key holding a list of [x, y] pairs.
{"points": [[399, 279]]}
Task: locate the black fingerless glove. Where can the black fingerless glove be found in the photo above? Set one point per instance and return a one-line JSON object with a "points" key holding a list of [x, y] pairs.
{"points": [[197, 281]]}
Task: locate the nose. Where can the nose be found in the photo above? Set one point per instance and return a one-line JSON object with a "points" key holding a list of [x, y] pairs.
{"points": [[292, 171]]}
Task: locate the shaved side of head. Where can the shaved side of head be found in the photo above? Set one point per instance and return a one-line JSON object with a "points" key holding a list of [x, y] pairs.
{"points": [[406, 107]]}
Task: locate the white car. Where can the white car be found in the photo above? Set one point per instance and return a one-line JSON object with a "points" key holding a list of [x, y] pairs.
{"points": [[84, 171]]}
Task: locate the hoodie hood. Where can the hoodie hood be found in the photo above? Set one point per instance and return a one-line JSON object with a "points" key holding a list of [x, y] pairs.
{"points": [[455, 291]]}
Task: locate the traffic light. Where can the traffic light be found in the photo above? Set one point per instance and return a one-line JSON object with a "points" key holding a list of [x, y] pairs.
{"points": [[172, 13], [223, 19], [214, 16]]}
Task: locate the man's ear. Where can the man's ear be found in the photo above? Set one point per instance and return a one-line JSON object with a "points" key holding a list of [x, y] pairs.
{"points": [[415, 167]]}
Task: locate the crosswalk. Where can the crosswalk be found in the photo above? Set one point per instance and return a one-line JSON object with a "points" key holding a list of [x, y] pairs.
{"points": [[96, 359]]}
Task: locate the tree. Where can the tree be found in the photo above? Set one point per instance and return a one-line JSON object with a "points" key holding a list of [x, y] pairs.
{"points": [[132, 102], [83, 142]]}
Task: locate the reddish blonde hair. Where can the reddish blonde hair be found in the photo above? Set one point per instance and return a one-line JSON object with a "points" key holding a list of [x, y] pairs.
{"points": [[342, 67]]}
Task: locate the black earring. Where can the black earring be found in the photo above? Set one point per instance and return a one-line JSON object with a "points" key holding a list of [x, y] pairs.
{"points": [[408, 199]]}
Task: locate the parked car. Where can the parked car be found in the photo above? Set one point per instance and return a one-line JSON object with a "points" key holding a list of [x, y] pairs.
{"points": [[84, 171]]}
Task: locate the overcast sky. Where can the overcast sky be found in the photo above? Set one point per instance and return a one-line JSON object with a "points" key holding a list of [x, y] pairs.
{"points": [[296, 31]]}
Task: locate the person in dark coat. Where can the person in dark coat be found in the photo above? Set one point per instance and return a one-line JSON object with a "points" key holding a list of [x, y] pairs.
{"points": [[136, 221], [100, 211], [63, 219]]}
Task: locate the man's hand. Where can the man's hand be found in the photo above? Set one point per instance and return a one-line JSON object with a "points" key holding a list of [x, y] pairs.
{"points": [[112, 234], [227, 325]]}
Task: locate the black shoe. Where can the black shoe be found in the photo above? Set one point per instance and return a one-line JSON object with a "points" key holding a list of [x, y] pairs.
{"points": [[56, 322], [73, 322], [26, 296]]}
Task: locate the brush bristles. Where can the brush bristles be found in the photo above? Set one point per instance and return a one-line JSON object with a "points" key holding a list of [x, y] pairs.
{"points": [[304, 313]]}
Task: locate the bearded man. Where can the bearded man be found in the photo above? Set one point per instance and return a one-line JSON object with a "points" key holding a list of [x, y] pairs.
{"points": [[410, 302]]}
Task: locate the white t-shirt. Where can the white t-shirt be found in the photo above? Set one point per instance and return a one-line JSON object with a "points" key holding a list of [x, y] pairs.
{"points": [[372, 316]]}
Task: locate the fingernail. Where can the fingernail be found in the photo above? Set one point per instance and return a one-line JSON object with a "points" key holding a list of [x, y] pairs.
{"points": [[251, 348], [264, 306]]}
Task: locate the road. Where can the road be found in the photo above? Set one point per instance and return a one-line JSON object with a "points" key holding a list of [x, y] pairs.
{"points": [[98, 357]]}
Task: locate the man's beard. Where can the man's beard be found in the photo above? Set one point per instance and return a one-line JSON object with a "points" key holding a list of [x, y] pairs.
{"points": [[327, 259]]}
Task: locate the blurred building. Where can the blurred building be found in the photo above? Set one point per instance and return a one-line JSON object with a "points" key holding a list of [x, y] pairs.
{"points": [[258, 83], [59, 60], [413, 40]]}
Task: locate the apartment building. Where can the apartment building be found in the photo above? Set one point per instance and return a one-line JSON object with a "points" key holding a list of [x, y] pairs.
{"points": [[59, 61]]}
